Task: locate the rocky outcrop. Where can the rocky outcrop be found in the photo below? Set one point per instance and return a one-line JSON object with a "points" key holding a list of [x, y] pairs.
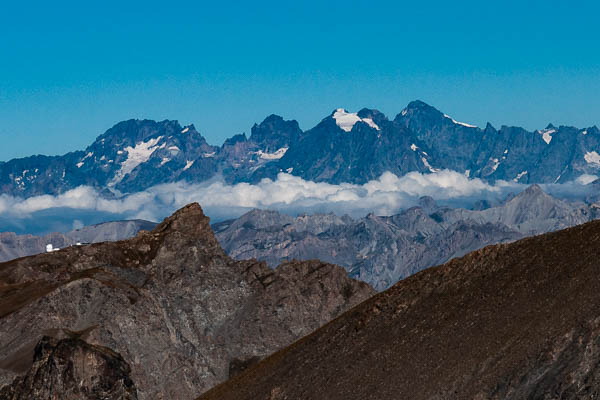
{"points": [[170, 302], [510, 321], [73, 369]]}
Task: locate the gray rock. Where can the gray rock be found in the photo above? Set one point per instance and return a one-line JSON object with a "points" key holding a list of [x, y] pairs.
{"points": [[178, 310], [383, 250], [73, 369]]}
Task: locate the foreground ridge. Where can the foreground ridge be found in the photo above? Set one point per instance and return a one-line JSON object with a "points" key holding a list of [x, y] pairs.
{"points": [[179, 311], [509, 321]]}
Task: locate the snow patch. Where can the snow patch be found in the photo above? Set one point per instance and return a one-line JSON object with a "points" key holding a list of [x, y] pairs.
{"points": [[467, 173], [208, 155], [164, 161], [547, 134], [136, 156], [346, 120], [80, 164], [591, 157], [428, 166], [519, 176], [272, 156], [188, 164], [459, 123], [184, 130], [585, 132], [289, 170], [506, 151], [413, 147], [496, 163]]}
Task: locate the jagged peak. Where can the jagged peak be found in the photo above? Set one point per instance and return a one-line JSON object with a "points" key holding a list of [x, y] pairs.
{"points": [[189, 220], [489, 127], [239, 138], [418, 107], [534, 190]]}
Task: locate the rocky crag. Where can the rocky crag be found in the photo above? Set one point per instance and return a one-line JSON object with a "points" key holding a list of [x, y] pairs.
{"points": [[178, 310], [510, 321]]}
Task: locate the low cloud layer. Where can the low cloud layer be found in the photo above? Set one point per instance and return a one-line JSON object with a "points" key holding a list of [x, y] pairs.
{"points": [[385, 196]]}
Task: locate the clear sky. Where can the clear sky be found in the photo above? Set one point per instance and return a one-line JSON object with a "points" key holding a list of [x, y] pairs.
{"points": [[70, 70]]}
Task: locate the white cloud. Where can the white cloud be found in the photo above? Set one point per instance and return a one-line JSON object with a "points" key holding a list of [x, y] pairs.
{"points": [[384, 196]]}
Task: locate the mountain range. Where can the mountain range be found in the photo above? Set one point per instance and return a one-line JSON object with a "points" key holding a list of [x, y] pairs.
{"points": [[381, 250], [344, 147]]}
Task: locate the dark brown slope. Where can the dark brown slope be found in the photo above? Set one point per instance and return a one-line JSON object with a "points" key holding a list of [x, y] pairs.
{"points": [[513, 321], [180, 312]]}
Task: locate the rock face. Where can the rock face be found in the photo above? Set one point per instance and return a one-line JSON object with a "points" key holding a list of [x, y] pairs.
{"points": [[383, 250], [344, 147], [178, 310], [510, 321], [73, 369], [14, 246]]}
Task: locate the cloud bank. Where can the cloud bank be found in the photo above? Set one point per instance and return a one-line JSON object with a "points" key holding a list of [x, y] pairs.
{"points": [[384, 196]]}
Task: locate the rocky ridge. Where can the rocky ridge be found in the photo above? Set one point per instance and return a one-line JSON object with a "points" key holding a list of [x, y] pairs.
{"points": [[381, 250], [178, 310], [509, 321]]}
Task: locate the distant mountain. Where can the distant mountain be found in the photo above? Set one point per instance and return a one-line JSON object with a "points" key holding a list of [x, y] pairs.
{"points": [[15, 246], [344, 147], [172, 311], [511, 321], [382, 250]]}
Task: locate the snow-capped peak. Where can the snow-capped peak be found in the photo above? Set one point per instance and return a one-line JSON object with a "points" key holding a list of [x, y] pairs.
{"points": [[346, 120]]}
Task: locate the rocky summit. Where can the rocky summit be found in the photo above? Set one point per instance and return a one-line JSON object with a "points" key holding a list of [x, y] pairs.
{"points": [[510, 321], [169, 303]]}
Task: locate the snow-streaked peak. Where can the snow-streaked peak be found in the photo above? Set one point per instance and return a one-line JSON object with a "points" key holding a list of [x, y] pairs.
{"points": [[459, 123], [346, 120], [136, 156], [547, 134]]}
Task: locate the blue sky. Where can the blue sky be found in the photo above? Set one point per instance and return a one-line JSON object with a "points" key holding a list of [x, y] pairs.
{"points": [[70, 70]]}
